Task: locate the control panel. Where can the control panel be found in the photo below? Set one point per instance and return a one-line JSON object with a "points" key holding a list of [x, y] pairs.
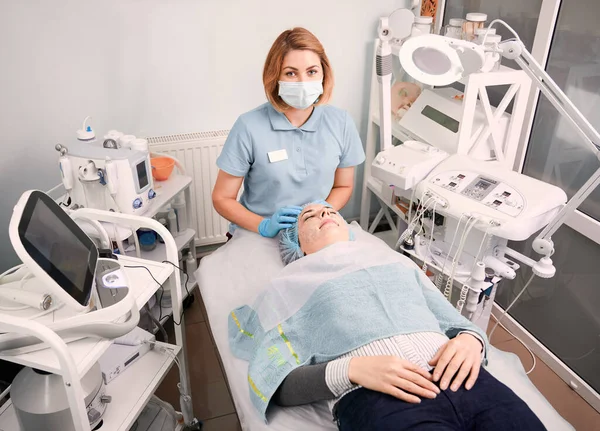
{"points": [[487, 190]]}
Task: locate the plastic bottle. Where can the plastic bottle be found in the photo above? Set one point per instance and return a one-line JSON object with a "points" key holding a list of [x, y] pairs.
{"points": [[172, 220], [422, 25], [181, 212], [190, 264]]}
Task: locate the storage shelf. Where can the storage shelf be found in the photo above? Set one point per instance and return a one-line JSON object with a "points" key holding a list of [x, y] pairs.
{"points": [[397, 131], [375, 187], [130, 392], [165, 191], [88, 350], [159, 253]]}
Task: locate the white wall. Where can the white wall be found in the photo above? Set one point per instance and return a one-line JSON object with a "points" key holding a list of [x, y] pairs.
{"points": [[154, 67]]}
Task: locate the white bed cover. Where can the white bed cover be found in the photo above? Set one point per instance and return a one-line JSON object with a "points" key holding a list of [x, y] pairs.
{"points": [[234, 275]]}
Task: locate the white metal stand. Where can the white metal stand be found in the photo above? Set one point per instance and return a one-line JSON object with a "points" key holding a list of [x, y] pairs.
{"points": [[74, 359], [469, 139]]}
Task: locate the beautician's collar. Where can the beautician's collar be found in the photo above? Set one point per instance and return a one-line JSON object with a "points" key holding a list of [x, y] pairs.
{"points": [[280, 122]]}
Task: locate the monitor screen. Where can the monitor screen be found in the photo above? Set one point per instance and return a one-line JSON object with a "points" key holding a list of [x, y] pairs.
{"points": [[59, 246], [441, 118], [142, 174]]}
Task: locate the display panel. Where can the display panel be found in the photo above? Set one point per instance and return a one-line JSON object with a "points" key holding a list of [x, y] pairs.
{"points": [[440, 118], [142, 174], [59, 246]]}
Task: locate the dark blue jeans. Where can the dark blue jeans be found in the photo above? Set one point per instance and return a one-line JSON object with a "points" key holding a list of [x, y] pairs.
{"points": [[488, 406]]}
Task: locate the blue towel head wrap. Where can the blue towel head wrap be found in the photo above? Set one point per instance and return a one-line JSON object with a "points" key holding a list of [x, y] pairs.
{"points": [[289, 244]]}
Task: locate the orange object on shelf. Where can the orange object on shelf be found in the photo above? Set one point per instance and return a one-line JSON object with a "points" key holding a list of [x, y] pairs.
{"points": [[162, 167]]}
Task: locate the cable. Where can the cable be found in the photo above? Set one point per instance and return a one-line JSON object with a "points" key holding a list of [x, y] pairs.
{"points": [[468, 226], [162, 287], [424, 267], [464, 290], [157, 323], [510, 305], [517, 338], [439, 280]]}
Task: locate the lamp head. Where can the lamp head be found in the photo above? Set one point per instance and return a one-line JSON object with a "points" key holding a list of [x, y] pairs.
{"points": [[438, 60]]}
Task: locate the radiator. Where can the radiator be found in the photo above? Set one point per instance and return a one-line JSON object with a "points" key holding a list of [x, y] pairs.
{"points": [[198, 154]]}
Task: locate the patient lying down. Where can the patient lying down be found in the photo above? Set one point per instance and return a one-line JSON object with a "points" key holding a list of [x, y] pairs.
{"points": [[350, 323]]}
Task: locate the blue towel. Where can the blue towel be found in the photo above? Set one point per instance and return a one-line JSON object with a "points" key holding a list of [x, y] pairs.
{"points": [[344, 297]]}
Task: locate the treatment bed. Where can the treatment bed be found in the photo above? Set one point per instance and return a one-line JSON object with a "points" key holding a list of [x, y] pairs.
{"points": [[238, 271]]}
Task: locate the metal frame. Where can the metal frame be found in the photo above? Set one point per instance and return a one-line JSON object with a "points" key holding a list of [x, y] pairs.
{"points": [[70, 374]]}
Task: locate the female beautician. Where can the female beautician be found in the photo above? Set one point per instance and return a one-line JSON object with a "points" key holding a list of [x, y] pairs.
{"points": [[292, 149]]}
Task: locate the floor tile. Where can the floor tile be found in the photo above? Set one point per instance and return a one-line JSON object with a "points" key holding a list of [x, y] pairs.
{"points": [[500, 334], [565, 401], [194, 314], [223, 423], [202, 358], [212, 400], [203, 365]]}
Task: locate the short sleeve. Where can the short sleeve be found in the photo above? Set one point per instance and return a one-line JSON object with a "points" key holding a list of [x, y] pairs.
{"points": [[237, 156], [353, 153]]}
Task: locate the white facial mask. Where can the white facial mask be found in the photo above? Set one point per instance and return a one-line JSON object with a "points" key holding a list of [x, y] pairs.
{"points": [[300, 95]]}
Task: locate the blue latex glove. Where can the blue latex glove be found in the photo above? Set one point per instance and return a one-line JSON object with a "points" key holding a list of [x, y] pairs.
{"points": [[283, 218]]}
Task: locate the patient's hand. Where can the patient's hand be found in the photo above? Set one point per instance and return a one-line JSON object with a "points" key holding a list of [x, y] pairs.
{"points": [[460, 355], [393, 376]]}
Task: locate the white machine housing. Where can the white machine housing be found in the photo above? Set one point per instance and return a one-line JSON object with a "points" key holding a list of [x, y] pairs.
{"points": [[134, 182], [405, 165], [514, 205], [435, 118]]}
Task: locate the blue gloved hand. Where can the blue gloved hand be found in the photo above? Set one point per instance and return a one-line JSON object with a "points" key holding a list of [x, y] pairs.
{"points": [[283, 218]]}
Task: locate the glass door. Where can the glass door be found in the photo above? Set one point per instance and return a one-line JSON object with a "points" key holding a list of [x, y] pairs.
{"points": [[564, 312]]}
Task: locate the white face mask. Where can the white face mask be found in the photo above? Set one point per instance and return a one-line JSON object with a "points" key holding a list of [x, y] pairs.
{"points": [[300, 95]]}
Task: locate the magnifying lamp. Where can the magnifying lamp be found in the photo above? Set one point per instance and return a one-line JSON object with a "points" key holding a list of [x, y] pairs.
{"points": [[439, 60]]}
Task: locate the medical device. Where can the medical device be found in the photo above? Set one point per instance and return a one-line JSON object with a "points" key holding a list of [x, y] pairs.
{"points": [[507, 204], [41, 402], [404, 166], [438, 60], [90, 295], [102, 176], [124, 352], [435, 118]]}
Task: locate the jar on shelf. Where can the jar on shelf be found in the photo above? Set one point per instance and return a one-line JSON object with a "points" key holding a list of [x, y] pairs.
{"points": [[474, 21], [422, 25], [454, 28], [480, 33]]}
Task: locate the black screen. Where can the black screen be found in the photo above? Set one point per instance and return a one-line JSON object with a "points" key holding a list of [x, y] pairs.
{"points": [[59, 246], [142, 173], [441, 118]]}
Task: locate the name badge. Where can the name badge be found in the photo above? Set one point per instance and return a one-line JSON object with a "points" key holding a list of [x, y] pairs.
{"points": [[277, 156]]}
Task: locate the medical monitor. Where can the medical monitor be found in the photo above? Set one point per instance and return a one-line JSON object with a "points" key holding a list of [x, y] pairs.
{"points": [[54, 248]]}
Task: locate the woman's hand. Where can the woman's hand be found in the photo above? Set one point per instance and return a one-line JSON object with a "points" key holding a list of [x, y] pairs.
{"points": [[392, 375], [460, 355]]}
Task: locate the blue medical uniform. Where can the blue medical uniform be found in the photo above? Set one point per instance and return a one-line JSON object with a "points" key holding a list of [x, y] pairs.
{"points": [[327, 141]]}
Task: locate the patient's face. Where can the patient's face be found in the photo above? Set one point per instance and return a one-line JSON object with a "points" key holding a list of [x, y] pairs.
{"points": [[320, 226]]}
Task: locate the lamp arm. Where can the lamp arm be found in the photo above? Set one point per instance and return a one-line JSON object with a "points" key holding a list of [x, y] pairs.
{"points": [[515, 50]]}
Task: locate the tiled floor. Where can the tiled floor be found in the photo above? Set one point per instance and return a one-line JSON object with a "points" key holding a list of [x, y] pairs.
{"points": [[213, 404]]}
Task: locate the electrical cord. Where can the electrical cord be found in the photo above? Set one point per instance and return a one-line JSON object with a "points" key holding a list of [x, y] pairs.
{"points": [[162, 287], [533, 358], [468, 226], [510, 305]]}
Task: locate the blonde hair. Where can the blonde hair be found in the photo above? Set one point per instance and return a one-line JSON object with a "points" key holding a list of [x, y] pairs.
{"points": [[297, 38]]}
